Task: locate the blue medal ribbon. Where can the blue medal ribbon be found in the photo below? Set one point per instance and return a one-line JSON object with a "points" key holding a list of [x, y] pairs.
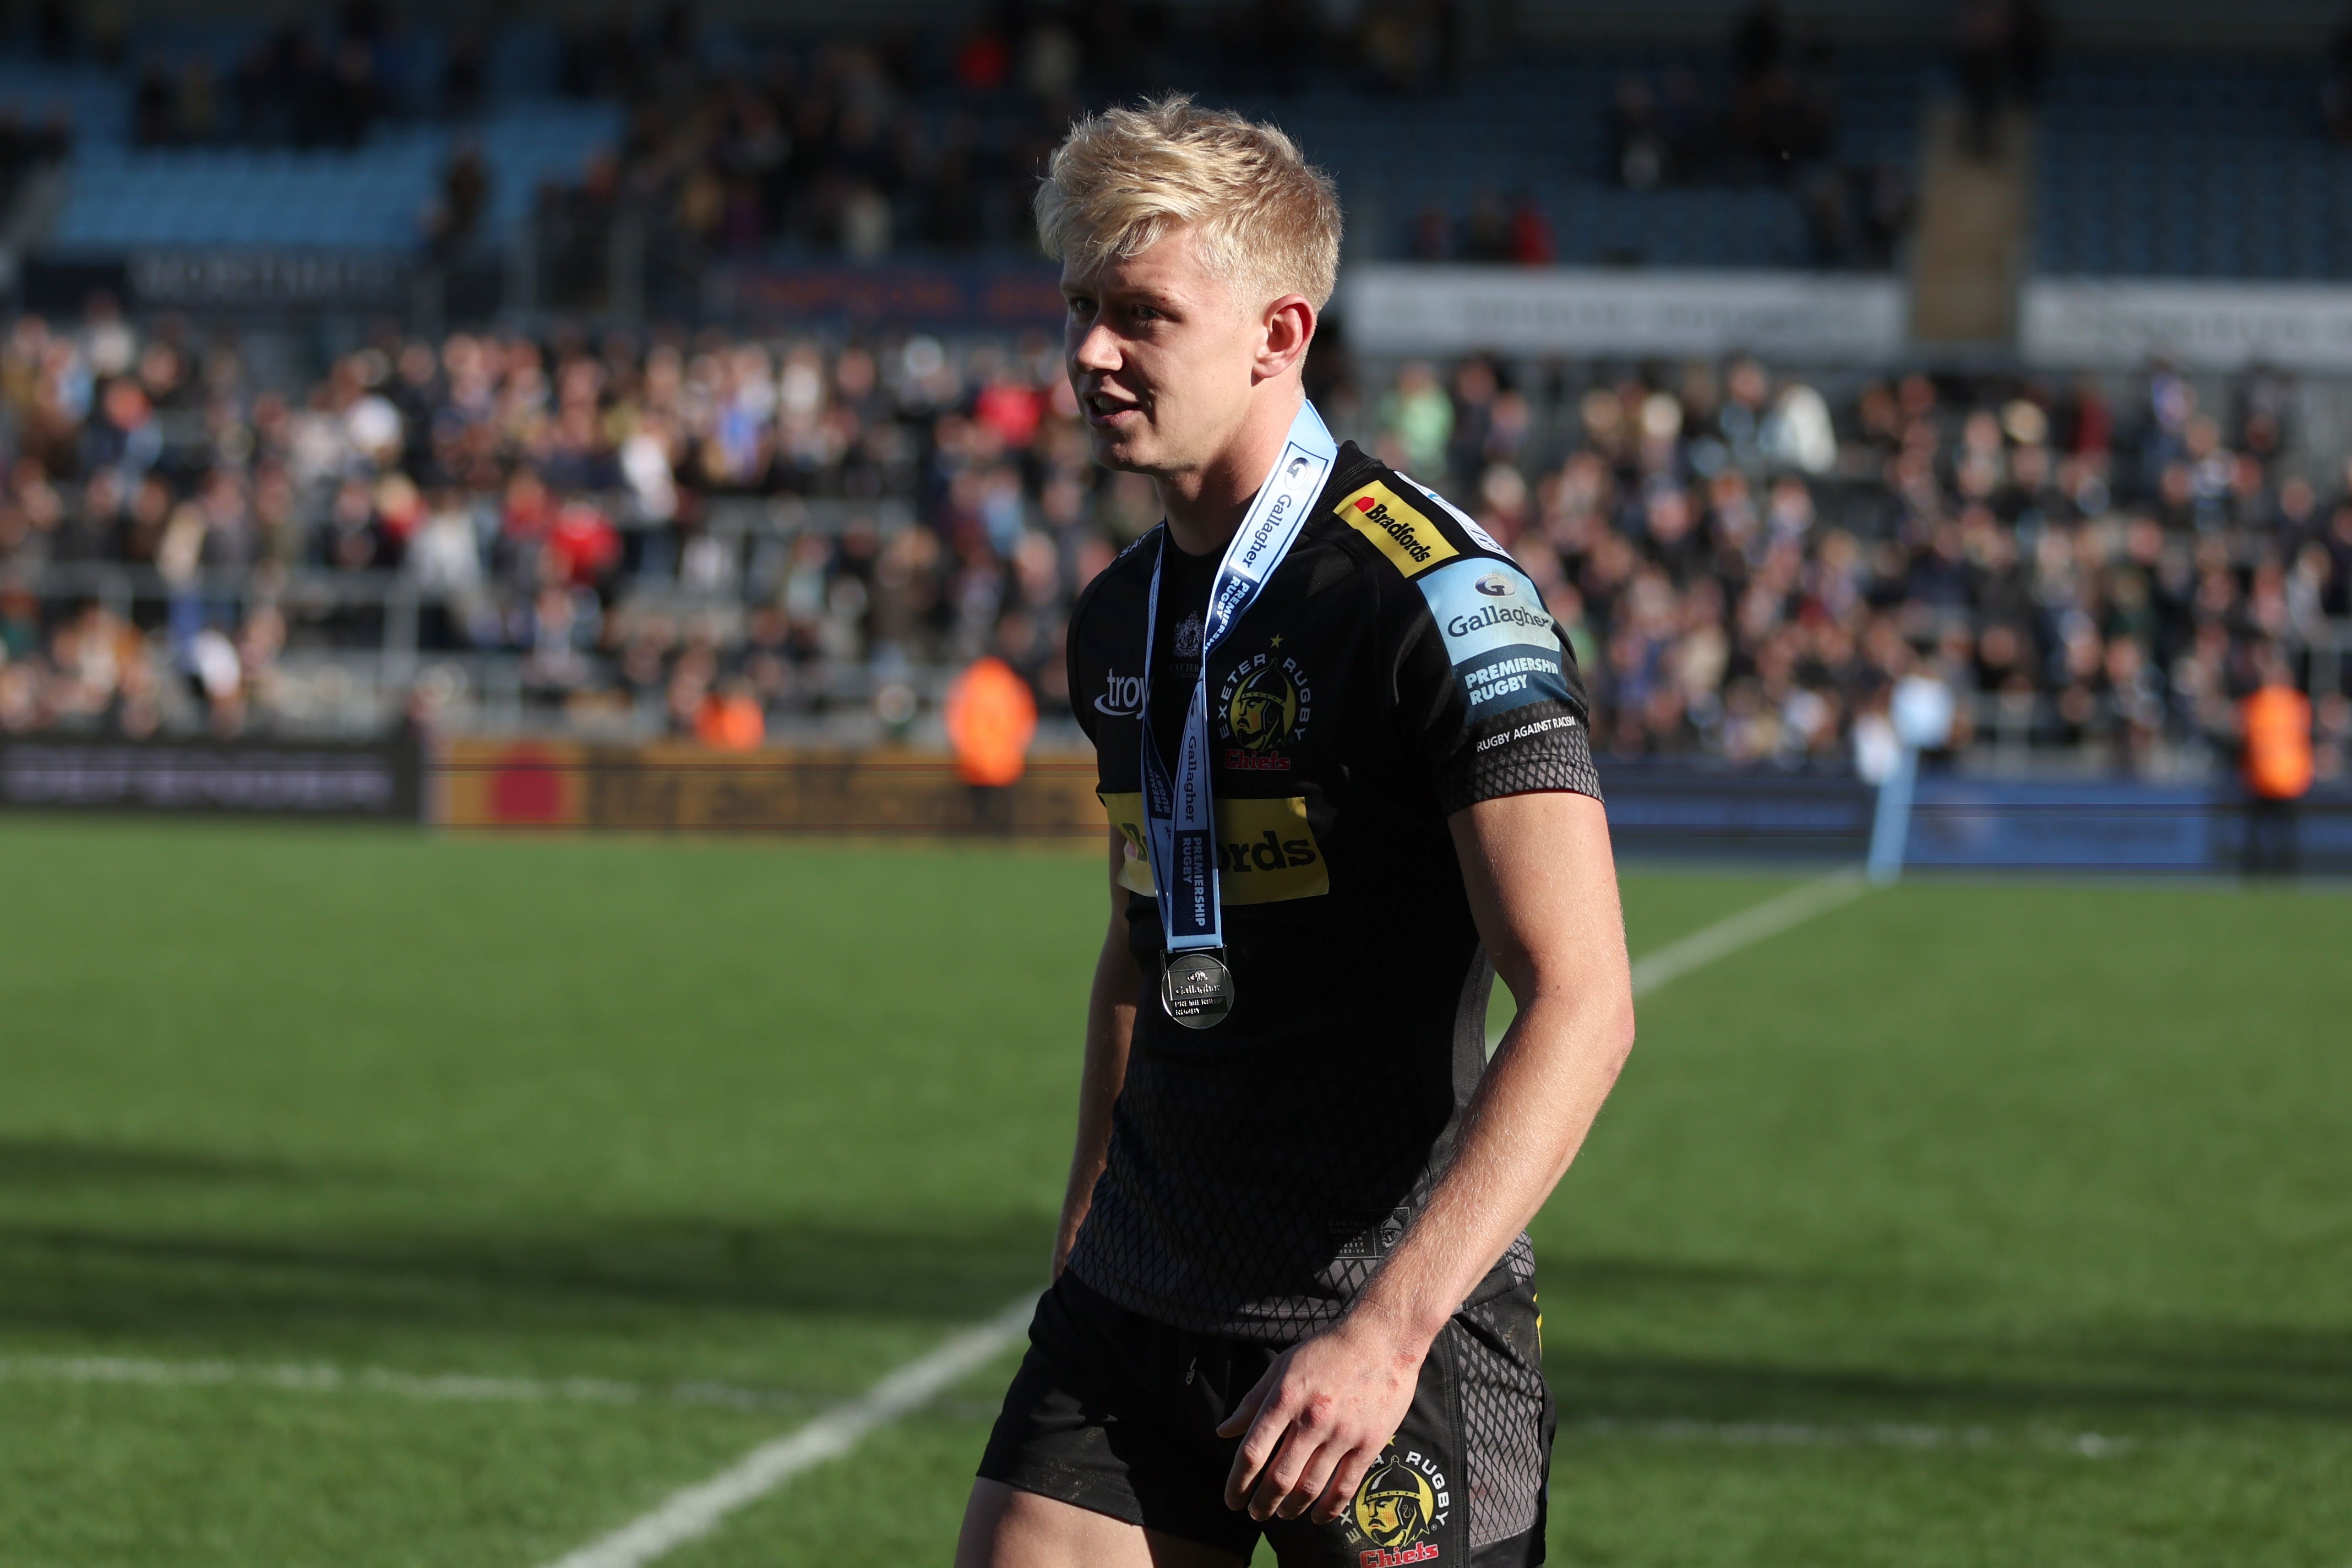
{"points": [[1179, 812]]}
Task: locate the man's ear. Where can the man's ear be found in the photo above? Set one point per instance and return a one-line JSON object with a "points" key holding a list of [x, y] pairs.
{"points": [[1289, 327]]}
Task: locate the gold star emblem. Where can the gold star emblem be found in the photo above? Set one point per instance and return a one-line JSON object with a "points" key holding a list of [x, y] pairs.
{"points": [[1276, 643]]}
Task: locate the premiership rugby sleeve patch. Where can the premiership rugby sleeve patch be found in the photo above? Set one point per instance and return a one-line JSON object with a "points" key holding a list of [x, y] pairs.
{"points": [[1498, 637], [1397, 529]]}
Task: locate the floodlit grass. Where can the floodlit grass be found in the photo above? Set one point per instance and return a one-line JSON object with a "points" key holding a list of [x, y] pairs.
{"points": [[1970, 1224]]}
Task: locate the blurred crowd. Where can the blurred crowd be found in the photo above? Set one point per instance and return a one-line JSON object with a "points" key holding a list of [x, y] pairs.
{"points": [[723, 536], [1746, 569]]}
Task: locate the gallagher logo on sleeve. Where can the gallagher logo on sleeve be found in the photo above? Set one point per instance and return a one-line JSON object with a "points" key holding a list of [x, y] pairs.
{"points": [[1397, 530], [1498, 635]]}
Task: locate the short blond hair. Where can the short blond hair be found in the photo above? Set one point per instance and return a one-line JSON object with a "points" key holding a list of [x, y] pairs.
{"points": [[1268, 219]]}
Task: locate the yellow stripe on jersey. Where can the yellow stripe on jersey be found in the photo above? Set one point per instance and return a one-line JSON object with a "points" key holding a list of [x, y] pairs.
{"points": [[1265, 851], [1399, 530]]}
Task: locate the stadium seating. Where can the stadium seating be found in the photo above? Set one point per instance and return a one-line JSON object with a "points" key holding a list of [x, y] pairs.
{"points": [[369, 197], [2192, 167], [1534, 131], [94, 102], [1539, 129]]}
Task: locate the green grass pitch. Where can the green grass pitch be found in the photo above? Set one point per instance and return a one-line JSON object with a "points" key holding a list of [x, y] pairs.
{"points": [[1970, 1223]]}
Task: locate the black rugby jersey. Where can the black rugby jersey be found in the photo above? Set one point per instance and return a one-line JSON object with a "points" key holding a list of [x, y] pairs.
{"points": [[1397, 667]]}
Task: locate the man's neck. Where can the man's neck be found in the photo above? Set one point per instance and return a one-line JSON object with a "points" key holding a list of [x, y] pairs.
{"points": [[1205, 505]]}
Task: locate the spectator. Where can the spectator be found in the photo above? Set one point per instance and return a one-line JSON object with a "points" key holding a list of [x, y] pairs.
{"points": [[1531, 242], [729, 718], [2274, 725], [1416, 421], [991, 719], [464, 192]]}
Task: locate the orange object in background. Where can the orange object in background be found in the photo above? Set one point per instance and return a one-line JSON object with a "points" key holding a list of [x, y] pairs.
{"points": [[730, 721], [991, 719], [2277, 724]]}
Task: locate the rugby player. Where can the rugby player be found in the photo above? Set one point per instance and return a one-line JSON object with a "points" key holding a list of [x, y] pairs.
{"points": [[1292, 1296]]}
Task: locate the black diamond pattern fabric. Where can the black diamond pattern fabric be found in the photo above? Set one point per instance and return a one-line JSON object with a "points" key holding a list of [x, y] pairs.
{"points": [[1558, 759], [1504, 1402]]}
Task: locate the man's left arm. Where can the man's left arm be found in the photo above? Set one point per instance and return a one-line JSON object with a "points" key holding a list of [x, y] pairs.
{"points": [[1543, 890]]}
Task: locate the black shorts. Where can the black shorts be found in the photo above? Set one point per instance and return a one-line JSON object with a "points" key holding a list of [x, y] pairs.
{"points": [[1117, 1413]]}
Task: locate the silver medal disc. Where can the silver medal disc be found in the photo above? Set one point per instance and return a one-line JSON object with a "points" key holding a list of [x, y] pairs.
{"points": [[1196, 989]]}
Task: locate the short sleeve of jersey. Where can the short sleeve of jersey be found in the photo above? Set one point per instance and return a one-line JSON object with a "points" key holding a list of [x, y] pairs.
{"points": [[1078, 656], [1486, 688]]}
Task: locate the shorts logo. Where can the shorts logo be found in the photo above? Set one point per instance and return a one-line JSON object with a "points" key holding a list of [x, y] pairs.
{"points": [[1362, 1236], [1263, 707], [1401, 531], [1402, 1501]]}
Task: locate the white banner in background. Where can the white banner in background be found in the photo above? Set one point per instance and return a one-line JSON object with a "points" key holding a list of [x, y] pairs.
{"points": [[2200, 326], [1406, 309]]}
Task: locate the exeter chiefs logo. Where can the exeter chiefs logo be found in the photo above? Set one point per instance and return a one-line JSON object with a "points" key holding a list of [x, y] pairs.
{"points": [[1263, 707], [1262, 710], [1401, 1502]]}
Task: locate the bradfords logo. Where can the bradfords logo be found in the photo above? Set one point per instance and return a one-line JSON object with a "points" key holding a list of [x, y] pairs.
{"points": [[1408, 539], [1399, 531], [1401, 1501], [1266, 850], [1122, 695]]}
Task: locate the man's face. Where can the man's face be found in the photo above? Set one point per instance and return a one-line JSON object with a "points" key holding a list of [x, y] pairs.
{"points": [[1161, 354]]}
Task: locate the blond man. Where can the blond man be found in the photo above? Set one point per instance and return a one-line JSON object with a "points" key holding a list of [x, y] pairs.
{"points": [[1343, 749]]}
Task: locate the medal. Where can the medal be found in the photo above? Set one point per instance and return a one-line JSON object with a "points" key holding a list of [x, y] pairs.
{"points": [[1196, 989]]}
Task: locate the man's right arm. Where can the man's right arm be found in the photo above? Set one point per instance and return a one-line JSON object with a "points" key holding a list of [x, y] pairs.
{"points": [[1110, 1023]]}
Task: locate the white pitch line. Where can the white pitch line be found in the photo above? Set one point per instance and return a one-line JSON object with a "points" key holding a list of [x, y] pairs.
{"points": [[697, 1510], [323, 1378], [287, 1377], [1729, 934], [1872, 1435]]}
